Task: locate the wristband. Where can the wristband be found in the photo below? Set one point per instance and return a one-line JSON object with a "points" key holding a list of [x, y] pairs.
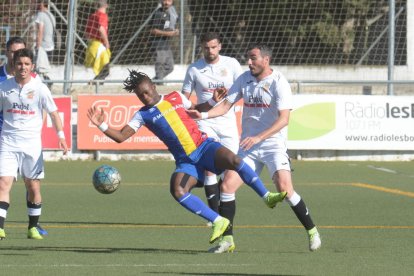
{"points": [[61, 134], [212, 102], [204, 115], [103, 127]]}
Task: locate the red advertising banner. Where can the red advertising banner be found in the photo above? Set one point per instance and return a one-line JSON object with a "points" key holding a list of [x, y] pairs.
{"points": [[118, 110], [49, 135]]}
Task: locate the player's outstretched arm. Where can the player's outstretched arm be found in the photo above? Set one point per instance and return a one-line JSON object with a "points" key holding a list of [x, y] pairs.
{"points": [[96, 116]]}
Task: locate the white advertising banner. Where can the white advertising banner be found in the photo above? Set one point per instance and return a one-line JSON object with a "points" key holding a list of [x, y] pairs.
{"points": [[352, 122]]}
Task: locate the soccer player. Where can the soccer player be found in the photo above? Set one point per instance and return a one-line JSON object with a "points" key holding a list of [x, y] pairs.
{"points": [[7, 72], [22, 101], [267, 103], [193, 151], [204, 76]]}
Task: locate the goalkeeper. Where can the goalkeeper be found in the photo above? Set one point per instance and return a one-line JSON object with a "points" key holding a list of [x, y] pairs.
{"points": [[193, 151]]}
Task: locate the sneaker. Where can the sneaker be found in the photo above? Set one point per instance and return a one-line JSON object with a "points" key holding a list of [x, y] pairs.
{"points": [[2, 234], [225, 245], [219, 227], [209, 224], [34, 234], [314, 239], [41, 231], [274, 198]]}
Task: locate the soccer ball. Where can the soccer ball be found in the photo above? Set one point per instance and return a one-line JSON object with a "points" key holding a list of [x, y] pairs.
{"points": [[106, 179]]}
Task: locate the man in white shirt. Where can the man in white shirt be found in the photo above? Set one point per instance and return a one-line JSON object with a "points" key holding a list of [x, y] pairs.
{"points": [[267, 103], [22, 101], [207, 74], [7, 72]]}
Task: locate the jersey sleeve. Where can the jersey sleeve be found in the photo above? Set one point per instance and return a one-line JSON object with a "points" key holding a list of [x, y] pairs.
{"points": [[237, 69], [136, 122], [48, 103], [186, 102], [188, 84], [284, 97], [235, 92]]}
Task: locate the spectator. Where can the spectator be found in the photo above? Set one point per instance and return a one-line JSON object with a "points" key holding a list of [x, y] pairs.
{"points": [[98, 53], [45, 29], [163, 28]]}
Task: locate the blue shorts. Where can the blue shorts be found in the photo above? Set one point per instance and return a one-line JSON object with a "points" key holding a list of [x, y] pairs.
{"points": [[200, 160]]}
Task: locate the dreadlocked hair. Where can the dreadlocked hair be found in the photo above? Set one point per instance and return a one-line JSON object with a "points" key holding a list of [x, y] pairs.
{"points": [[134, 79]]}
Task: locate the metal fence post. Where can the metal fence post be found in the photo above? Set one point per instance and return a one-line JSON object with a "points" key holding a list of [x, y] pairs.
{"points": [[69, 47], [391, 43]]}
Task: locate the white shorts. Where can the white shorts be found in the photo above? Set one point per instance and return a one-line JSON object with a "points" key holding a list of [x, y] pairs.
{"points": [[28, 164], [227, 136], [274, 157]]}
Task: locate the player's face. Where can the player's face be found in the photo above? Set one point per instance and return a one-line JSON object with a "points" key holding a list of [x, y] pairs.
{"points": [[211, 50], [147, 93], [257, 63], [13, 48], [23, 68]]}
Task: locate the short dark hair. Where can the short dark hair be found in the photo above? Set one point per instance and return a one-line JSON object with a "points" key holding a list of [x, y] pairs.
{"points": [[24, 52], [134, 79], [206, 37], [15, 40], [265, 50]]}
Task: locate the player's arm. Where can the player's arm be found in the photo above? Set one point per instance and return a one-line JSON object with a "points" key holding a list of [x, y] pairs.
{"points": [[218, 95], [97, 118], [104, 36], [280, 122], [54, 116], [218, 110]]}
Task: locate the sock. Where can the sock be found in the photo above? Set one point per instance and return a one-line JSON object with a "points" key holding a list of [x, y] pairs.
{"points": [[301, 211], [196, 206], [228, 210], [34, 211], [3, 212], [250, 177], [212, 191]]}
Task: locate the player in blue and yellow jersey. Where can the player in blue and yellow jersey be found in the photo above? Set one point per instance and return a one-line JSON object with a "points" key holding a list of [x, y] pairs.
{"points": [[193, 151]]}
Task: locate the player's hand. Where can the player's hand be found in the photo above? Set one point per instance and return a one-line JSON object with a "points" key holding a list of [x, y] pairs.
{"points": [[248, 142], [96, 116], [219, 94], [63, 145], [195, 114]]}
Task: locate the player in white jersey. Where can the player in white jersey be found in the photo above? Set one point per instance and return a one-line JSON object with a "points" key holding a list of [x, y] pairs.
{"points": [[22, 101], [267, 103], [7, 72], [207, 74]]}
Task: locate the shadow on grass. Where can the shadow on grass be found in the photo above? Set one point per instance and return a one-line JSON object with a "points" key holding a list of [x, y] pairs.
{"points": [[220, 274], [95, 250]]}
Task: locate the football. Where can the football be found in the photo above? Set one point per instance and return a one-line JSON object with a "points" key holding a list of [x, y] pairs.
{"points": [[106, 179]]}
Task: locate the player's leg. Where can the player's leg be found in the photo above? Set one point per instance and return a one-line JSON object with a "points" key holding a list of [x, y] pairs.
{"points": [[181, 184], [227, 209], [211, 185], [212, 190], [34, 207], [225, 159], [8, 173], [32, 170], [282, 178], [40, 229], [6, 183]]}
